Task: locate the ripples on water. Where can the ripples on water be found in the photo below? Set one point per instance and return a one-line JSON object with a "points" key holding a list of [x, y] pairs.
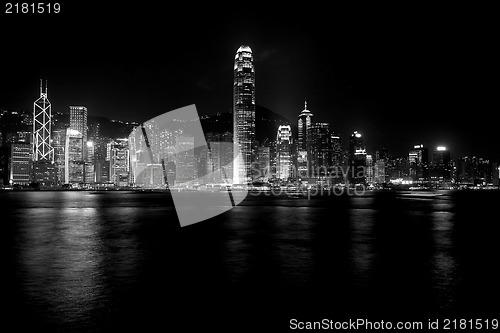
{"points": [[82, 261]]}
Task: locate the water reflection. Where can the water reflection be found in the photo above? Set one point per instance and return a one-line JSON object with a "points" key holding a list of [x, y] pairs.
{"points": [[87, 262], [60, 259]]}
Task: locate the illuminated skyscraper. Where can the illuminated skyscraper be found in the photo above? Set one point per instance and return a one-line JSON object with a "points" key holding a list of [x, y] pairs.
{"points": [[284, 143], [43, 169], [78, 120], [263, 162], [336, 149], [441, 165], [357, 159], [418, 157], [20, 163], [58, 143], [119, 166], [42, 117], [4, 166], [243, 115], [370, 171], [185, 169], [304, 124], [319, 154], [73, 157]]}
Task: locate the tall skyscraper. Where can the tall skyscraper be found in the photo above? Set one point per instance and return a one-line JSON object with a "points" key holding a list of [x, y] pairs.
{"points": [[74, 167], [304, 124], [78, 120], [219, 158], [20, 163], [59, 143], [418, 157], [4, 166], [284, 143], [42, 119], [319, 154], [185, 166], [370, 170], [441, 165], [119, 166], [336, 149], [243, 115], [357, 159]]}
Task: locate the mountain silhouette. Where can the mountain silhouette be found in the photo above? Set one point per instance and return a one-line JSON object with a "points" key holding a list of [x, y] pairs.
{"points": [[266, 124]]}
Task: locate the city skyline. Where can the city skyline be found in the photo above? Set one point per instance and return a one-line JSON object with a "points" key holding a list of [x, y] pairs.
{"points": [[323, 156], [420, 81]]}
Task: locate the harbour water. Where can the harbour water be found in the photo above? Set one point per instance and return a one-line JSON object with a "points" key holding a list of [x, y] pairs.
{"points": [[79, 261]]}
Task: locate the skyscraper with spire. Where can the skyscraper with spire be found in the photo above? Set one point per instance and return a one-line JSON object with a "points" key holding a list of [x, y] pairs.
{"points": [[243, 115], [42, 168], [304, 124], [42, 119]]}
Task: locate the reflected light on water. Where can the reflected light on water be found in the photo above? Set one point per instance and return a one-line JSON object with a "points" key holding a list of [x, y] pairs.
{"points": [[61, 259]]}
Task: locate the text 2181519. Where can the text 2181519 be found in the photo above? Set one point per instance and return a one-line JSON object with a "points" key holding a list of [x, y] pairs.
{"points": [[32, 8]]}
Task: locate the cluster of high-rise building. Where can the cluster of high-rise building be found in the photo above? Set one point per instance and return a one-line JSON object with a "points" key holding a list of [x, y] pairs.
{"points": [[54, 153], [40, 151], [314, 156]]}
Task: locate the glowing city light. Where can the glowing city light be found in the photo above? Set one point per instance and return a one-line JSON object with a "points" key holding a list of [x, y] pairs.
{"points": [[73, 132], [441, 148]]}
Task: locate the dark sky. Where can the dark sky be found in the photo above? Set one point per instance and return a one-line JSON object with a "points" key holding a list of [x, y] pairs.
{"points": [[399, 75]]}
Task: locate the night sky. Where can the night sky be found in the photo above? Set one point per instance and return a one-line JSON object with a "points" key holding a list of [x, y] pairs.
{"points": [[399, 75]]}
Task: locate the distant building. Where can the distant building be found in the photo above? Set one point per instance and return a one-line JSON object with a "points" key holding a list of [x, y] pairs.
{"points": [[4, 165], [19, 136], [263, 162], [304, 122], [185, 170], [90, 176], [20, 163], [218, 158], [474, 171], [336, 149], [78, 120], [59, 144], [418, 157], [370, 172], [74, 164], [357, 159], [44, 173], [319, 154], [495, 174], [441, 165], [119, 167], [284, 144], [379, 173]]}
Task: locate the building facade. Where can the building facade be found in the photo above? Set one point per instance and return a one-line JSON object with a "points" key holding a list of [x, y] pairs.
{"points": [[243, 115], [284, 145], [304, 124], [357, 159]]}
